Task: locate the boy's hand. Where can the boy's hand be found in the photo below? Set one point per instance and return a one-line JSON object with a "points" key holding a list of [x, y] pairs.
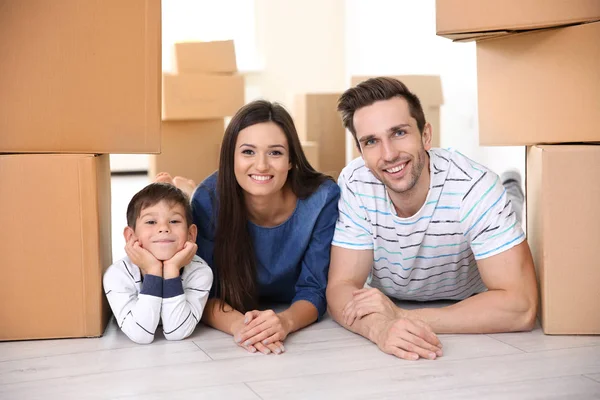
{"points": [[141, 257], [180, 259]]}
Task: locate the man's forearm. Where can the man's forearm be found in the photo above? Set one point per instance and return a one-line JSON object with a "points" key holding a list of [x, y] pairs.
{"points": [[337, 297], [487, 312]]}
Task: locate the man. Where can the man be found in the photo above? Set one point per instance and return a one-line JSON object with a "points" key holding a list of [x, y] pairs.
{"points": [[425, 224]]}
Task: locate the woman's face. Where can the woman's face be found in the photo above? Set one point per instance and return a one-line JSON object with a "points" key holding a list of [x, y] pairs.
{"points": [[262, 159]]}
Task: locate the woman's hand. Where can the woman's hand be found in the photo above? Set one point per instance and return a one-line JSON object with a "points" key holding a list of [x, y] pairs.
{"points": [[263, 329], [241, 329]]}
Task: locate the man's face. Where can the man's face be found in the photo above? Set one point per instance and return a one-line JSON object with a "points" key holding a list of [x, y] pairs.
{"points": [[392, 146], [162, 229]]}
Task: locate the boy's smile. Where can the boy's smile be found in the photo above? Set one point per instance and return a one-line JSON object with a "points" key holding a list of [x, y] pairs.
{"points": [[162, 229]]}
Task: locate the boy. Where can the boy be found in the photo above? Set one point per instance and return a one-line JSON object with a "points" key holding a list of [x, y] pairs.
{"points": [[161, 279]]}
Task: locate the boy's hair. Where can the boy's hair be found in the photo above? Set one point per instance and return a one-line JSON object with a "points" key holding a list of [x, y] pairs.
{"points": [[376, 89], [153, 194]]}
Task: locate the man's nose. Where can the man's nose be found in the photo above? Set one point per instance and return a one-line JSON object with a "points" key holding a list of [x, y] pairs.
{"points": [[389, 152]]}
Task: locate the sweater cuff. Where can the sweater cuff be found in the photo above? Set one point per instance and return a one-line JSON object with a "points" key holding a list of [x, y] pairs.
{"points": [[152, 285], [316, 300], [172, 287]]}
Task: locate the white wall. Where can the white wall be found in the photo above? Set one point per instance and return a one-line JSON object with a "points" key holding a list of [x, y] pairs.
{"points": [[394, 37], [301, 46]]}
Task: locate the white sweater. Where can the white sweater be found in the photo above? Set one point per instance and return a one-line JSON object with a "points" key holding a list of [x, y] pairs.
{"points": [[139, 304]]}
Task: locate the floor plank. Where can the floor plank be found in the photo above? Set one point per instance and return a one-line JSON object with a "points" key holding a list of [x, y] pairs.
{"points": [[565, 388], [433, 375], [114, 360], [595, 377], [299, 342], [237, 391], [536, 340]]}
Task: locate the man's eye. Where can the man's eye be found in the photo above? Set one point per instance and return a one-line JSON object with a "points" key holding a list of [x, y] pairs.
{"points": [[400, 133], [369, 142]]}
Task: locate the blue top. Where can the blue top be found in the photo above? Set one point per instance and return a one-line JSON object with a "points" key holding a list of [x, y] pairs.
{"points": [[292, 259]]}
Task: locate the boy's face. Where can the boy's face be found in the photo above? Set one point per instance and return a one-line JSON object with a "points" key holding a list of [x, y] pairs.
{"points": [[162, 230]]}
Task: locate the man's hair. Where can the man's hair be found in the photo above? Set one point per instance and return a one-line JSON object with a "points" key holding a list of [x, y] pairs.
{"points": [[377, 89], [153, 194]]}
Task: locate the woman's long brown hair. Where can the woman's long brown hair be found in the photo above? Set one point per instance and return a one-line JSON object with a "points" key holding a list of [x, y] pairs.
{"points": [[234, 251]]}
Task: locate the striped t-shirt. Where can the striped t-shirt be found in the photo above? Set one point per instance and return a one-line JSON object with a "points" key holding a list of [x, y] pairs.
{"points": [[431, 255]]}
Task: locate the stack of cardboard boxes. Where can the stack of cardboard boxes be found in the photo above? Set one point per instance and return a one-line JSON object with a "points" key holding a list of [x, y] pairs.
{"points": [[79, 80], [196, 98], [538, 66], [321, 131]]}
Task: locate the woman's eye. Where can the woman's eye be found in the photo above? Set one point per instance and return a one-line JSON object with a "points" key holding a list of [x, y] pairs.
{"points": [[247, 152], [276, 153]]}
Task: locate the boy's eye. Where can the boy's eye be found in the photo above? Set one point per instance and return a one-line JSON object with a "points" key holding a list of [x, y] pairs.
{"points": [[150, 222], [175, 221]]}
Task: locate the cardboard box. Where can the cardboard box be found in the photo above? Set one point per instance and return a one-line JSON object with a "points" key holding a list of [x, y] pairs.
{"points": [[311, 151], [201, 96], [80, 76], [563, 225], [205, 57], [477, 19], [540, 87], [189, 148], [317, 120], [58, 245], [429, 90]]}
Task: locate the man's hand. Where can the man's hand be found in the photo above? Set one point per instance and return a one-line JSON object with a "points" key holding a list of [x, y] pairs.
{"points": [[408, 339], [180, 259], [368, 301], [241, 335], [141, 257]]}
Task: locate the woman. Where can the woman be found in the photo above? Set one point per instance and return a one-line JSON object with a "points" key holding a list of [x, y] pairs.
{"points": [[265, 224]]}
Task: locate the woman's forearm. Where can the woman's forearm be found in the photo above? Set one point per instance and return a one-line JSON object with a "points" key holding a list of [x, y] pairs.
{"points": [[300, 314], [222, 319]]}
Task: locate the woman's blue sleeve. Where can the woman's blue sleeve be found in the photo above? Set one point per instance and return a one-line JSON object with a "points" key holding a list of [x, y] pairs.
{"points": [[203, 206], [312, 282]]}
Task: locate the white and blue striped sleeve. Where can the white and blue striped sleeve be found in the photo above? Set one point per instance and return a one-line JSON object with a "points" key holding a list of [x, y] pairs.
{"points": [[487, 220], [136, 313], [184, 299], [353, 229]]}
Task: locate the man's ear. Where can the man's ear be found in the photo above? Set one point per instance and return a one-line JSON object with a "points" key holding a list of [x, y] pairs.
{"points": [[192, 233], [427, 136], [128, 233]]}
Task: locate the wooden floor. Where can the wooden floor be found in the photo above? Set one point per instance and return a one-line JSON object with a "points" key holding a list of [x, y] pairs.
{"points": [[322, 361]]}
